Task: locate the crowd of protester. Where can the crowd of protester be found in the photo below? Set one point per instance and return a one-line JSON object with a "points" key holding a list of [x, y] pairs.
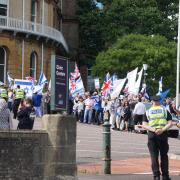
{"points": [[123, 112], [23, 107]]}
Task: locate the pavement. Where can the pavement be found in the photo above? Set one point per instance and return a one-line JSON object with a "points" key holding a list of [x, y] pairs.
{"points": [[129, 153]]}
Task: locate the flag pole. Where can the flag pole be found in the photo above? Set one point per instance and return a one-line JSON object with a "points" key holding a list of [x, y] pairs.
{"points": [[178, 56]]}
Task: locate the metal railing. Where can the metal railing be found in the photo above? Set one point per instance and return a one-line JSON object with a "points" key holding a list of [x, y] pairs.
{"points": [[29, 27]]}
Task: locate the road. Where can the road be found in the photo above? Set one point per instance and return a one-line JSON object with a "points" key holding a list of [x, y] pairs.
{"points": [[130, 156]]}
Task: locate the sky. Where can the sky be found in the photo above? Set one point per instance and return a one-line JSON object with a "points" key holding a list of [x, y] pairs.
{"points": [[99, 5]]}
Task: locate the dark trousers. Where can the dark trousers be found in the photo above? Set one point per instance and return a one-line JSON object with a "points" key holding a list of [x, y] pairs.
{"points": [[138, 119], [16, 106], [81, 116], [159, 144], [98, 116]]}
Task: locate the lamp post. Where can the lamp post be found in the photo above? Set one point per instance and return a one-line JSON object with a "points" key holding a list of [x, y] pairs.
{"points": [[145, 67], [178, 56]]}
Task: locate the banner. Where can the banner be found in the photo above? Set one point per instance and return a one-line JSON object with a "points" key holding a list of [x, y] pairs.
{"points": [[26, 85], [117, 89]]}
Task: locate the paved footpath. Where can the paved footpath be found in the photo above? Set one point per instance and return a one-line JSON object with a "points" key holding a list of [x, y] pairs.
{"points": [[130, 156]]}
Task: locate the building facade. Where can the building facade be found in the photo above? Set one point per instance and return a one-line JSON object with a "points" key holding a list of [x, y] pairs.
{"points": [[31, 31]]}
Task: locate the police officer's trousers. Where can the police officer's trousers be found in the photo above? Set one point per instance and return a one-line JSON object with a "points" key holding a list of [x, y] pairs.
{"points": [[159, 144]]}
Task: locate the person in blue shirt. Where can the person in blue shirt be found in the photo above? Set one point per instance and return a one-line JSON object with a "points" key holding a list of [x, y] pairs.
{"points": [[36, 101]]}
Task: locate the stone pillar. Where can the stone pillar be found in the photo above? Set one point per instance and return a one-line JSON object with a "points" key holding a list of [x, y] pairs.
{"points": [[60, 161]]}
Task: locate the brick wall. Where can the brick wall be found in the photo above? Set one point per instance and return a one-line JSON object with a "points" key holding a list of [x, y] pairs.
{"points": [[13, 46]]}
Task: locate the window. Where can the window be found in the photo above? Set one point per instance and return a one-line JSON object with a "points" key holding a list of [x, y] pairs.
{"points": [[2, 64], [33, 10], [3, 7], [33, 63]]}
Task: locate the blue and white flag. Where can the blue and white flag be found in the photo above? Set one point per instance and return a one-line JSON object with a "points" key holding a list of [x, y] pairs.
{"points": [[160, 86], [163, 95], [42, 79]]}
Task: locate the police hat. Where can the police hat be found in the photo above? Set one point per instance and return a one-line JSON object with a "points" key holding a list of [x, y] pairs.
{"points": [[155, 98]]}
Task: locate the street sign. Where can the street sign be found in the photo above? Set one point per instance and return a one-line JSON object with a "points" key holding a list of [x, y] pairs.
{"points": [[59, 83]]}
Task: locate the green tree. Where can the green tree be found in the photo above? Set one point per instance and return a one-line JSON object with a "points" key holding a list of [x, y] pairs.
{"points": [[133, 51], [140, 16], [90, 31]]}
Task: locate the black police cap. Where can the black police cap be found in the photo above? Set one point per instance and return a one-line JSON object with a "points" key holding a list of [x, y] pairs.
{"points": [[155, 98]]}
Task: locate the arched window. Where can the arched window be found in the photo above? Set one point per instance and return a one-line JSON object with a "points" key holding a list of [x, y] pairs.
{"points": [[33, 64], [2, 64]]}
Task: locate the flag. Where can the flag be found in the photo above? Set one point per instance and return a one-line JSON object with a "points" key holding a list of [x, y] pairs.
{"points": [[163, 95], [76, 74], [76, 85], [10, 80], [49, 86], [135, 91], [144, 93], [106, 85], [131, 76], [42, 79], [160, 86], [30, 78], [118, 88]]}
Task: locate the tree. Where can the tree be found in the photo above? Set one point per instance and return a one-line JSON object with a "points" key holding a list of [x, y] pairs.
{"points": [[90, 31], [133, 51], [148, 17]]}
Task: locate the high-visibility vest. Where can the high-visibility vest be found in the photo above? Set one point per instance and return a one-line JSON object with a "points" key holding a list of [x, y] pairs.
{"points": [[157, 117], [3, 93], [19, 94]]}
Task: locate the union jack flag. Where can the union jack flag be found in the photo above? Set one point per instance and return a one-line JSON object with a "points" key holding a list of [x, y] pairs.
{"points": [[106, 85]]}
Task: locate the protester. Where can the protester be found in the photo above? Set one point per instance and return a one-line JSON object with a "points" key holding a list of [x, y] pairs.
{"points": [[10, 99], [88, 109], [5, 116], [80, 109], [138, 112], [112, 111], [36, 101], [23, 115], [18, 96], [119, 112], [126, 114]]}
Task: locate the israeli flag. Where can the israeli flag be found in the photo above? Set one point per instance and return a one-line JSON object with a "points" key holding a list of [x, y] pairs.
{"points": [[42, 79], [10, 80]]}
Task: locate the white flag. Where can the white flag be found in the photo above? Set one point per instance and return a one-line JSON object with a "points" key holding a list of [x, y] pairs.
{"points": [[131, 76], [135, 91], [118, 87]]}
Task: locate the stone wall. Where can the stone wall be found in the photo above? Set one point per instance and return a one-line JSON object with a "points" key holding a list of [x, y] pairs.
{"points": [[49, 154]]}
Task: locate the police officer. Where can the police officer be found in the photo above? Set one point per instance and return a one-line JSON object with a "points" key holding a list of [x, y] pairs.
{"points": [[3, 93], [157, 121], [18, 96]]}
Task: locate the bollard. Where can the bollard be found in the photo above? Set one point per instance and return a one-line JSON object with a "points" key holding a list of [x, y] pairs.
{"points": [[106, 148]]}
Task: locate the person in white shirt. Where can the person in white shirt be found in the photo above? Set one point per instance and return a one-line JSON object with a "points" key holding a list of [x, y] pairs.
{"points": [[139, 111], [88, 109], [80, 108]]}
